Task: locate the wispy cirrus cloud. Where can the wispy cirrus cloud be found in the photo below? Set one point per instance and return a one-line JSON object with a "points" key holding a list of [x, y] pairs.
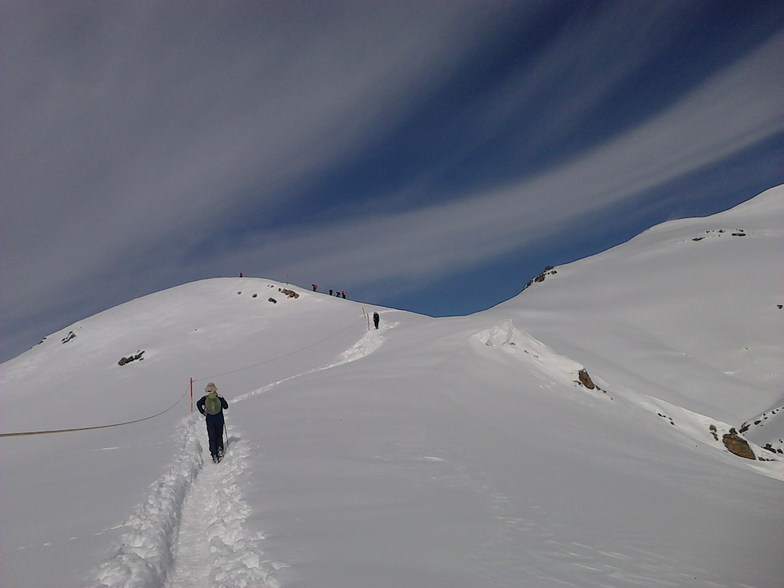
{"points": [[136, 124], [146, 144], [739, 107]]}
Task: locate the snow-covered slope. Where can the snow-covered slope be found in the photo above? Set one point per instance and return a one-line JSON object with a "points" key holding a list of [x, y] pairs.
{"points": [[690, 312], [431, 452]]}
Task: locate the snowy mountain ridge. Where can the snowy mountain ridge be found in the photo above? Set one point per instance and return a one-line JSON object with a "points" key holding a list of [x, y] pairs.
{"points": [[701, 294], [431, 452]]}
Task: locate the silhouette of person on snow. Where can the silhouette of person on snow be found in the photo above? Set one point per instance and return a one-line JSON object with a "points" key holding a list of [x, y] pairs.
{"points": [[211, 405], [376, 318]]}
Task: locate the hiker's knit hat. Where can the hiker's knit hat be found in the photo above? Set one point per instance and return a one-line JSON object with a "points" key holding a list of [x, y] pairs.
{"points": [[211, 388]]}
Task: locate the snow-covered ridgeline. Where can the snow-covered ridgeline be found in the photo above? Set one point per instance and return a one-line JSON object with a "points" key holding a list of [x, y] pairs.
{"points": [[446, 453]]}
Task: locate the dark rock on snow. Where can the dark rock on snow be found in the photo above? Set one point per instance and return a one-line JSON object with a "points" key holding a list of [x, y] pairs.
{"points": [[737, 445], [130, 358], [585, 379]]}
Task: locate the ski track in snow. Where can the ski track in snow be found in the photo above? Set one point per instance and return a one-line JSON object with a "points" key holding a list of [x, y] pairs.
{"points": [[191, 529]]}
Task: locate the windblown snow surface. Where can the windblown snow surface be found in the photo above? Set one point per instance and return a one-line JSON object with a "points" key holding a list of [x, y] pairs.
{"points": [[438, 453]]}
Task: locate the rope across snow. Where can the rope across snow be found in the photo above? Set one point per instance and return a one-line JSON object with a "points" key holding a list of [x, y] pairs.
{"points": [[191, 529]]}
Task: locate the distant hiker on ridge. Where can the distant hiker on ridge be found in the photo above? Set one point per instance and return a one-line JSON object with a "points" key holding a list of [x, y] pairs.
{"points": [[376, 318], [212, 406]]}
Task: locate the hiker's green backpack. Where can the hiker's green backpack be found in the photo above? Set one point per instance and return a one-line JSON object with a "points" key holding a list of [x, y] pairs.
{"points": [[212, 405]]}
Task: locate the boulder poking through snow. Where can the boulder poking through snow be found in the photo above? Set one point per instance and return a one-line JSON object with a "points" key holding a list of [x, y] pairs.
{"points": [[548, 271], [130, 358], [585, 379], [737, 445]]}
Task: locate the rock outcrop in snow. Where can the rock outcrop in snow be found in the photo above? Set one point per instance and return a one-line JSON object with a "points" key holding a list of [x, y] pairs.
{"points": [[548, 271], [737, 445]]}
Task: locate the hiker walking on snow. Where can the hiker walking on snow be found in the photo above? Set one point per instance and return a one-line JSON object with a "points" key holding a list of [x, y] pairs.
{"points": [[376, 318], [212, 406]]}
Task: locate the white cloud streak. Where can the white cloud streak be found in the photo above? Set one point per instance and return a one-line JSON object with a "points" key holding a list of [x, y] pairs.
{"points": [[583, 64], [134, 123], [742, 105], [135, 128]]}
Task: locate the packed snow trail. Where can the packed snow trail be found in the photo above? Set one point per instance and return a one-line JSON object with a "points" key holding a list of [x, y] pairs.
{"points": [[214, 548], [367, 344], [144, 555], [191, 529]]}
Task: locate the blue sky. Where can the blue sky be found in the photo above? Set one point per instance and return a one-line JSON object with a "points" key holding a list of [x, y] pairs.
{"points": [[431, 156]]}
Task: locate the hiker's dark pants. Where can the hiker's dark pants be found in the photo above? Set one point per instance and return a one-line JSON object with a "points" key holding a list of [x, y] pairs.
{"points": [[215, 433]]}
